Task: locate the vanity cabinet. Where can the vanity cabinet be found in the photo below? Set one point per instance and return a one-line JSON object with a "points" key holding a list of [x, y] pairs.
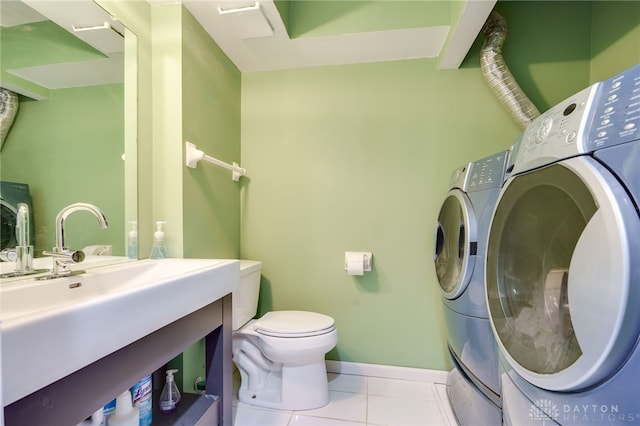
{"points": [[73, 398]]}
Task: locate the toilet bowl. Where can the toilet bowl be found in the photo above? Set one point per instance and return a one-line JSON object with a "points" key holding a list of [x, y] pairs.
{"points": [[280, 356]]}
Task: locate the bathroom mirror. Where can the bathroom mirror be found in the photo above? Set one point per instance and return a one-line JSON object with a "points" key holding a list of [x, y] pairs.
{"points": [[74, 137]]}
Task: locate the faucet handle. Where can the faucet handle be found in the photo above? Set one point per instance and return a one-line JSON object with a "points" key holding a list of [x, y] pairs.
{"points": [[67, 256], [62, 261], [8, 255]]}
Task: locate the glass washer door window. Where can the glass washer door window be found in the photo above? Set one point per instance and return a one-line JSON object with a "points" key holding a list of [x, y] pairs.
{"points": [[456, 240], [558, 264], [8, 223]]}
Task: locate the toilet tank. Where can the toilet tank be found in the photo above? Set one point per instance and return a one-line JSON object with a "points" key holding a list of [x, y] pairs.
{"points": [[245, 298]]}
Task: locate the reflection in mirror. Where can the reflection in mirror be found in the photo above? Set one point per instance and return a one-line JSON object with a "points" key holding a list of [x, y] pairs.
{"points": [[74, 71]]}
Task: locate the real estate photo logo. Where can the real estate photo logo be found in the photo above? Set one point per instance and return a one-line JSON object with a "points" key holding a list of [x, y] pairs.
{"points": [[543, 410], [546, 411]]}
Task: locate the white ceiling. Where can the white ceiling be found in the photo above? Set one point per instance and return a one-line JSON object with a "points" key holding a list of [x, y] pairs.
{"points": [[75, 16], [82, 18], [75, 74], [449, 44], [254, 40], [15, 12]]}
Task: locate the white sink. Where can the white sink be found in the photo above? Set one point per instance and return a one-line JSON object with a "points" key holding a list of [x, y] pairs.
{"points": [[55, 327], [45, 264]]}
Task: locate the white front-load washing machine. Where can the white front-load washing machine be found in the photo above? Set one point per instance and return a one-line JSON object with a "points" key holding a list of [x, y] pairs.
{"points": [[563, 263], [473, 386], [12, 194]]}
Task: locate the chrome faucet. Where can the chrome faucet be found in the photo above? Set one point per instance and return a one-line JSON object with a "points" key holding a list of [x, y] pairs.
{"points": [[60, 246], [22, 254], [24, 251], [63, 258]]}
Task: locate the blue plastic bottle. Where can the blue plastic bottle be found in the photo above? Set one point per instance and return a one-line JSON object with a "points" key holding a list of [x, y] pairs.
{"points": [[109, 409], [142, 399]]}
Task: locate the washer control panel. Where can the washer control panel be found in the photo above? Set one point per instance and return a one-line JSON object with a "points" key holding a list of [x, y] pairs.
{"points": [[616, 112], [558, 133]]}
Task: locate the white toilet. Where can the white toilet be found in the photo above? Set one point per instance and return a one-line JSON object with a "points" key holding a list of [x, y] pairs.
{"points": [[281, 355]]}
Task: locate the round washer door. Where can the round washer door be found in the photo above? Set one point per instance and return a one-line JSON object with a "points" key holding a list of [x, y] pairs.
{"points": [[456, 244], [562, 274], [8, 224]]}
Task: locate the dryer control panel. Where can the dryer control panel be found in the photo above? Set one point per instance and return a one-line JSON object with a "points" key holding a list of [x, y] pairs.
{"points": [[616, 111], [487, 173], [557, 134]]}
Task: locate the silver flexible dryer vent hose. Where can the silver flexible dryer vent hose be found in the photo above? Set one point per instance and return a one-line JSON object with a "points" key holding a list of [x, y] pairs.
{"points": [[497, 74], [8, 110]]}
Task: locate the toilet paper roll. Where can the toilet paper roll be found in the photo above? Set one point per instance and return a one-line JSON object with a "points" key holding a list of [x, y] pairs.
{"points": [[355, 263]]}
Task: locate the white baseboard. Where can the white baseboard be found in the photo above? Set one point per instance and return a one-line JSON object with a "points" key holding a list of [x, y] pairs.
{"points": [[387, 371]]}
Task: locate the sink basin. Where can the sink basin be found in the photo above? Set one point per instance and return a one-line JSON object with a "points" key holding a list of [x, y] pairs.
{"points": [[53, 328]]}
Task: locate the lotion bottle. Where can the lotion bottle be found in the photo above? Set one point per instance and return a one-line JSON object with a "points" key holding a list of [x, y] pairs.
{"points": [[170, 396], [159, 249]]}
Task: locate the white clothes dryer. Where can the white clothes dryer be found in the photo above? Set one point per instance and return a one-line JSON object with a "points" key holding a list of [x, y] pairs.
{"points": [[563, 263]]}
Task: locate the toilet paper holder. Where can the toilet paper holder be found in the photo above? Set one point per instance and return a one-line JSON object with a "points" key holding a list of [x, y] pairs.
{"points": [[358, 258]]}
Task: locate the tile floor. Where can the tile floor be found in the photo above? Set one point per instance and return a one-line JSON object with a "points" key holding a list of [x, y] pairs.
{"points": [[360, 401]]}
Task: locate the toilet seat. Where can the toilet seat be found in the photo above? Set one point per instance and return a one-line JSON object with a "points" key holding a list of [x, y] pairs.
{"points": [[294, 324]]}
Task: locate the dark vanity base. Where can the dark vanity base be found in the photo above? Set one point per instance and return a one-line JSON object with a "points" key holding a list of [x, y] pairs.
{"points": [[193, 410], [73, 398]]}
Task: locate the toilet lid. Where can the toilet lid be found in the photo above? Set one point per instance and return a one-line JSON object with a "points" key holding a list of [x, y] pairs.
{"points": [[294, 324]]}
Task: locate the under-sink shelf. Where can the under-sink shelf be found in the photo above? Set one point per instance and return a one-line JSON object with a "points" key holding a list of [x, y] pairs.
{"points": [[194, 409]]}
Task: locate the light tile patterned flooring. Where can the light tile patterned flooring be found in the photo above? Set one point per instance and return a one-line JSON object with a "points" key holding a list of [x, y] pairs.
{"points": [[360, 401]]}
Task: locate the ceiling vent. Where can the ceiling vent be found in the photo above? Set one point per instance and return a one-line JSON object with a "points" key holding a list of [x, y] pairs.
{"points": [[105, 37], [86, 20], [247, 22]]}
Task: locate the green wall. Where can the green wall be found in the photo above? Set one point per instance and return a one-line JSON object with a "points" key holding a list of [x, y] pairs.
{"points": [[358, 157], [211, 200], [313, 18], [615, 42], [68, 149], [548, 47], [211, 120]]}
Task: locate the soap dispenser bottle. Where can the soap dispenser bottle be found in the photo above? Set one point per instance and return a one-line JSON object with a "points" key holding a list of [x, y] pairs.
{"points": [[159, 249], [170, 396], [132, 240]]}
